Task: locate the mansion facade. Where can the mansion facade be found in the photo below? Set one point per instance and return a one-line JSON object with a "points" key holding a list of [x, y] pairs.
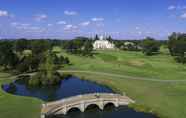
{"points": [[103, 44]]}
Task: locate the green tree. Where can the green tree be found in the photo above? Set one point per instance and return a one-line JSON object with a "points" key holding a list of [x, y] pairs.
{"points": [[150, 46], [177, 46], [88, 48], [96, 37], [40, 46], [47, 74], [8, 58], [21, 45], [80, 45]]}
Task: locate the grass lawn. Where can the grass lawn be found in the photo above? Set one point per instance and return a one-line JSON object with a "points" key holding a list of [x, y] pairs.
{"points": [[160, 66], [168, 99], [15, 106], [165, 98]]}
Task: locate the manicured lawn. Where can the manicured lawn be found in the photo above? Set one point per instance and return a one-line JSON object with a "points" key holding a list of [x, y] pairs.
{"points": [[131, 63], [16, 106], [165, 98], [168, 99]]}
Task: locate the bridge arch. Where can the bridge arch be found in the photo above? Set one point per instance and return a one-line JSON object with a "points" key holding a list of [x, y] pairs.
{"points": [[73, 109], [82, 102], [92, 105], [109, 104]]}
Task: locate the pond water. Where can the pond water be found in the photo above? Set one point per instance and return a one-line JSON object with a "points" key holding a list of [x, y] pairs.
{"points": [[68, 87], [108, 112], [72, 86]]}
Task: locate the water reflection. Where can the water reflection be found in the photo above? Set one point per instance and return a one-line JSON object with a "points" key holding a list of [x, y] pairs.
{"points": [[109, 112], [70, 86]]}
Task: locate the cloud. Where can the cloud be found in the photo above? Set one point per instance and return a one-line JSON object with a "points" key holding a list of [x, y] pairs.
{"points": [[25, 26], [97, 19], [70, 27], [41, 17], [14, 24], [178, 7], [70, 13], [86, 23], [3, 13], [61, 23], [172, 7], [49, 25], [137, 28], [100, 24], [183, 16]]}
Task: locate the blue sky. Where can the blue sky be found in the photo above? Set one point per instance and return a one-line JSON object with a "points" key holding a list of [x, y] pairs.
{"points": [[123, 19]]}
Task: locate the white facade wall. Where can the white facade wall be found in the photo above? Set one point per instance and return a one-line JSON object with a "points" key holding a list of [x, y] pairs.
{"points": [[103, 44]]}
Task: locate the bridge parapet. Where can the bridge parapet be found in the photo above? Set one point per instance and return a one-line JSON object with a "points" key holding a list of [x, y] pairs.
{"points": [[83, 101]]}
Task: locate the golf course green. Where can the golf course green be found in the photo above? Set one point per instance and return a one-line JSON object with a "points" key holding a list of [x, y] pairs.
{"points": [[157, 83]]}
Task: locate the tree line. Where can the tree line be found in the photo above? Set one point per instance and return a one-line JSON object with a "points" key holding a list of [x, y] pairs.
{"points": [[27, 55]]}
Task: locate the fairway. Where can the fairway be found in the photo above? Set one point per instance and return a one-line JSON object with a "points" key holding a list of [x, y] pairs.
{"points": [[136, 64], [51, 50], [157, 83]]}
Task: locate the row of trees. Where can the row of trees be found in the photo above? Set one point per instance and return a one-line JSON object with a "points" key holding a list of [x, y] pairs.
{"points": [[150, 46], [33, 55], [80, 45], [177, 46], [27, 55]]}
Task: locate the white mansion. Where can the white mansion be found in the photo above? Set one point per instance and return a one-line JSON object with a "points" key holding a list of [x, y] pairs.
{"points": [[102, 43]]}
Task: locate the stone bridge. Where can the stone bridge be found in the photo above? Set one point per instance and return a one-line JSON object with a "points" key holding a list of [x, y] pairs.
{"points": [[81, 102]]}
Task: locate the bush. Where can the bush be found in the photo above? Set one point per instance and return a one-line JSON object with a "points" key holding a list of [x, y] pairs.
{"points": [[34, 82], [177, 47], [41, 79], [150, 46]]}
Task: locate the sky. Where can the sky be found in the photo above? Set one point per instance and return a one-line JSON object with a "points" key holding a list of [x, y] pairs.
{"points": [[65, 19]]}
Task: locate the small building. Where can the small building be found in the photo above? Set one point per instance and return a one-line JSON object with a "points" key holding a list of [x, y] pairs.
{"points": [[103, 44]]}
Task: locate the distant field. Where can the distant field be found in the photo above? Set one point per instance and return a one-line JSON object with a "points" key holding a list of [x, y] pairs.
{"points": [[160, 66], [165, 98]]}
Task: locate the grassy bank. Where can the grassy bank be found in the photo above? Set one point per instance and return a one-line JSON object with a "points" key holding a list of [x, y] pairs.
{"points": [[164, 98], [16, 106], [167, 99]]}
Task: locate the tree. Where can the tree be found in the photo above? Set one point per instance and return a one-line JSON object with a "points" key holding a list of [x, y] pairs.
{"points": [[80, 45], [110, 39], [177, 46], [26, 64], [96, 37], [47, 74], [88, 48], [21, 45], [8, 58], [66, 60], [150, 46], [40, 46]]}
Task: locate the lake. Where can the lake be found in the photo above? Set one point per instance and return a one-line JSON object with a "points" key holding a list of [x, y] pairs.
{"points": [[72, 86]]}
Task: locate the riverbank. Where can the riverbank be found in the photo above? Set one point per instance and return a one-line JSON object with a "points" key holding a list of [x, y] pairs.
{"points": [[156, 82], [12, 106], [147, 102]]}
